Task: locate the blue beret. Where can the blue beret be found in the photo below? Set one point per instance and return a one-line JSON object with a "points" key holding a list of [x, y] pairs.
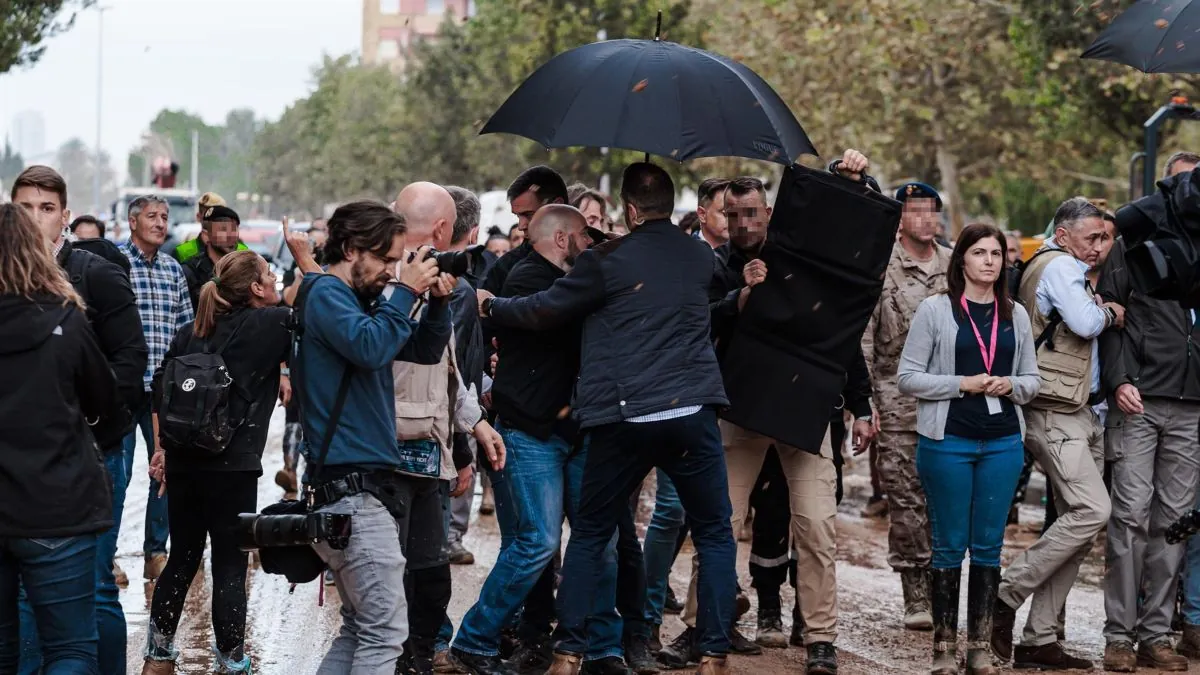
{"points": [[918, 191]]}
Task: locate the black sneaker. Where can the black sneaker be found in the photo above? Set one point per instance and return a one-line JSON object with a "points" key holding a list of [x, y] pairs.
{"points": [[672, 605], [609, 665], [479, 665], [822, 659], [638, 655], [532, 657], [682, 651], [738, 644]]}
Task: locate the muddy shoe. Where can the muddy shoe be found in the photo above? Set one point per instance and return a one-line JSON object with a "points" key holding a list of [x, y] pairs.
{"points": [[1002, 629], [1161, 655], [459, 555], [474, 664], [681, 652], [770, 632], [286, 479], [738, 644], [533, 656], [1050, 657], [1119, 657], [638, 655], [609, 665], [119, 576], [915, 584], [713, 665], [822, 659], [442, 663], [565, 664], [151, 667], [1189, 643], [154, 566], [877, 507]]}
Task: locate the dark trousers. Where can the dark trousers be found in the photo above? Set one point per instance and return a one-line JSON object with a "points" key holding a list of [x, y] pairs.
{"points": [[204, 505], [689, 450], [631, 574], [419, 510], [770, 553]]}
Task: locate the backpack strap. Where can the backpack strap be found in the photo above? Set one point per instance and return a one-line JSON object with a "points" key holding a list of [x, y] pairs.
{"points": [[334, 419]]}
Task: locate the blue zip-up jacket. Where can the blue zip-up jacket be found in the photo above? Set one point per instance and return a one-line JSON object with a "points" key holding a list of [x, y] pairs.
{"points": [[339, 333]]}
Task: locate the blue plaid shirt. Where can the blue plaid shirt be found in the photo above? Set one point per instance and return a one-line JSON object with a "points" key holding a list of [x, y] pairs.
{"points": [[162, 300]]}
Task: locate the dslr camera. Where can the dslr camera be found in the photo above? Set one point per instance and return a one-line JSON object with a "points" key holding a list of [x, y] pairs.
{"points": [[277, 530], [455, 263], [1161, 232]]}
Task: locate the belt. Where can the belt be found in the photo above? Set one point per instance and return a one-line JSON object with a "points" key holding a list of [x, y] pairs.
{"points": [[331, 491]]}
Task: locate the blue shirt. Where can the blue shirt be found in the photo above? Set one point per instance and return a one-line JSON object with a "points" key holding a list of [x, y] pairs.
{"points": [[340, 333], [163, 302]]}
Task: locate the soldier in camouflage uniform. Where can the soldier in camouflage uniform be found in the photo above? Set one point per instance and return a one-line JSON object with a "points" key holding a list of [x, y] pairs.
{"points": [[916, 271]]}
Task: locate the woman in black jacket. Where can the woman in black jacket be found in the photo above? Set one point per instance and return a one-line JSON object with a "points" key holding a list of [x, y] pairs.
{"points": [[55, 495], [238, 317]]}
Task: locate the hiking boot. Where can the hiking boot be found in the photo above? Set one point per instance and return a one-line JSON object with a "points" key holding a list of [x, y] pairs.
{"points": [[681, 652], [770, 632], [877, 507], [442, 663], [822, 659], [154, 566], [738, 644], [1161, 655], [151, 667], [1050, 657], [119, 576], [672, 605], [915, 583], [982, 585], [476, 664], [1119, 657], [638, 655], [459, 555], [532, 656], [1002, 629], [565, 664], [713, 665], [944, 605], [1189, 642], [609, 665], [487, 505]]}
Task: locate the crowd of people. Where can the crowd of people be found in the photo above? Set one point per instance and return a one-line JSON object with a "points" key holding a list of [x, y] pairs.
{"points": [[564, 361]]}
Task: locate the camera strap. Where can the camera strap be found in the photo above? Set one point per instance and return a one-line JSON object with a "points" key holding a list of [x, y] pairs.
{"points": [[334, 419]]}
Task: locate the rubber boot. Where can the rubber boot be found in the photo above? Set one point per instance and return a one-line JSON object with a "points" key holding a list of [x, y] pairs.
{"points": [[982, 585], [945, 621], [915, 583]]}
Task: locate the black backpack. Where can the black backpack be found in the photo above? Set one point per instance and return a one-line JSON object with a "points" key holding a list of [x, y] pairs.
{"points": [[195, 415]]}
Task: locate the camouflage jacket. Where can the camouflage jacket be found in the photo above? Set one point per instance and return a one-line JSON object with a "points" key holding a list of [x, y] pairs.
{"points": [[905, 285]]}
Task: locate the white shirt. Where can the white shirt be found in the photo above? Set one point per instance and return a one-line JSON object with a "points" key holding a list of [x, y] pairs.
{"points": [[1063, 287]]}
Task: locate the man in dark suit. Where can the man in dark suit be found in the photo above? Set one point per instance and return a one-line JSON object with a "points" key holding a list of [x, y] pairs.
{"points": [[647, 394]]}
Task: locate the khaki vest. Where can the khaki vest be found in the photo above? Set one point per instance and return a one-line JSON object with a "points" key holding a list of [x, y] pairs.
{"points": [[425, 397], [1066, 370]]}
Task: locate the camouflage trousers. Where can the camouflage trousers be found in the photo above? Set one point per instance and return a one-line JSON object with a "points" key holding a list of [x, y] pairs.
{"points": [[908, 532]]}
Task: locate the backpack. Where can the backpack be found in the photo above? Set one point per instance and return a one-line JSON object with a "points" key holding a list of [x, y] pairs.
{"points": [[194, 416]]}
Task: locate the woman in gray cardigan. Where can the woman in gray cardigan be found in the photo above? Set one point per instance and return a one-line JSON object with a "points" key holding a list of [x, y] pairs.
{"points": [[969, 359]]}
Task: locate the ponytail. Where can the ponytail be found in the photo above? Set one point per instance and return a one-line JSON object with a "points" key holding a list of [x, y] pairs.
{"points": [[228, 289]]}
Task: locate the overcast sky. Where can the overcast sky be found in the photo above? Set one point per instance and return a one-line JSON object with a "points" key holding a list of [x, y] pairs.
{"points": [[203, 56]]}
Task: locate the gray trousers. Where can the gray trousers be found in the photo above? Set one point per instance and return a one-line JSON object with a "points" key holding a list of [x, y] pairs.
{"points": [[460, 512], [1070, 449], [1156, 466]]}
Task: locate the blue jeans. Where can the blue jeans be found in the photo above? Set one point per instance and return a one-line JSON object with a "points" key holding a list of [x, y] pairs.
{"points": [[662, 538], [110, 618], [157, 528], [620, 455], [969, 486], [542, 478], [59, 576]]}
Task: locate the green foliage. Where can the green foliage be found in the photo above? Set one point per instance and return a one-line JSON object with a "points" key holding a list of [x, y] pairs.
{"points": [[225, 150], [26, 24]]}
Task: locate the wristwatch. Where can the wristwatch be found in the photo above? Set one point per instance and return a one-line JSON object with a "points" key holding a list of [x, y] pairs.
{"points": [[486, 307], [863, 418], [286, 372]]}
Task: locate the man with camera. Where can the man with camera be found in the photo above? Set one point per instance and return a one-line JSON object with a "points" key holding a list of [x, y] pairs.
{"points": [[344, 370]]}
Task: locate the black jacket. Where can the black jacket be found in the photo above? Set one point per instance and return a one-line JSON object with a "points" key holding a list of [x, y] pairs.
{"points": [[199, 270], [496, 275], [53, 482], [113, 313], [643, 299], [252, 355], [537, 369]]}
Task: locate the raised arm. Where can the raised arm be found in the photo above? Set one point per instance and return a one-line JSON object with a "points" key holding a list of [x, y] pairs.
{"points": [[369, 341], [572, 297]]}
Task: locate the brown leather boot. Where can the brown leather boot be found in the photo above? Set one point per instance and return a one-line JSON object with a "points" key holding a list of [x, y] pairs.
{"points": [[565, 664], [711, 665], [1161, 655], [1119, 657], [1189, 644], [158, 667]]}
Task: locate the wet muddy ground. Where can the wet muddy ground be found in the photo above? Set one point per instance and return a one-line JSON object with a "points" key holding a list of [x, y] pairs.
{"points": [[288, 632]]}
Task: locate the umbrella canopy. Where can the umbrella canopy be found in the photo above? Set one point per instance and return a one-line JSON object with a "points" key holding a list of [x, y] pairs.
{"points": [[652, 96], [1153, 36]]}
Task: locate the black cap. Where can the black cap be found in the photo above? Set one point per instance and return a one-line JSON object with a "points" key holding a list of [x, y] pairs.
{"points": [[220, 213], [915, 190]]}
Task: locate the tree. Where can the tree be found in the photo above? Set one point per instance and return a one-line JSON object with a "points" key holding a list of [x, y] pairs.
{"points": [[26, 24], [77, 164], [11, 165]]}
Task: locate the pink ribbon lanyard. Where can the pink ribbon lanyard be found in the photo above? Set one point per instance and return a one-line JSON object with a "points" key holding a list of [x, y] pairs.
{"points": [[987, 352]]}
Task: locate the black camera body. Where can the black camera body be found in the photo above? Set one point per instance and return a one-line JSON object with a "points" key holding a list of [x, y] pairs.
{"points": [[1183, 528], [265, 530], [1161, 232], [455, 263]]}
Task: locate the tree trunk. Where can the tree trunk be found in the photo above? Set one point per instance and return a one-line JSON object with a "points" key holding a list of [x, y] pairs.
{"points": [[947, 163]]}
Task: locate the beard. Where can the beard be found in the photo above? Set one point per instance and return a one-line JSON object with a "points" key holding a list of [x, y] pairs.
{"points": [[365, 285]]}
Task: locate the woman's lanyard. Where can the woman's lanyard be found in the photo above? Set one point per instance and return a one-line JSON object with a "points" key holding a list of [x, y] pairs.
{"points": [[988, 352]]}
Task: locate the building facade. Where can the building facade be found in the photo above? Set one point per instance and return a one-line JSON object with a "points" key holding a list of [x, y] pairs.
{"points": [[392, 28]]}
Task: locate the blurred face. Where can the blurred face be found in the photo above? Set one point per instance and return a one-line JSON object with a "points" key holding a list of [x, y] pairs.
{"points": [[149, 228], [713, 222], [87, 231], [370, 272], [1014, 250], [47, 210], [593, 212], [523, 207], [983, 261], [318, 233], [919, 221], [223, 236], [1086, 240], [498, 246], [748, 216]]}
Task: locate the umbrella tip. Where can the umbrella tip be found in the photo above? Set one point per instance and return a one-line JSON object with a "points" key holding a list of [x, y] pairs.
{"points": [[658, 27]]}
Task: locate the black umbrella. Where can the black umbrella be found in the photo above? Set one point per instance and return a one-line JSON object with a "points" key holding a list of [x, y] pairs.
{"points": [[656, 97], [1153, 36]]}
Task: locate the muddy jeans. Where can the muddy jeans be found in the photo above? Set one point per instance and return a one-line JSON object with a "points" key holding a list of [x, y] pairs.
{"points": [[1156, 467], [369, 574], [812, 481], [1070, 449], [909, 535]]}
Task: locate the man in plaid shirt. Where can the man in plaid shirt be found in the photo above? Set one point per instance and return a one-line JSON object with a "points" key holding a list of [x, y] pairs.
{"points": [[165, 307]]}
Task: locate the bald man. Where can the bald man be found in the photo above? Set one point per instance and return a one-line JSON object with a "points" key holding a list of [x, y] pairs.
{"points": [[429, 215], [531, 395]]}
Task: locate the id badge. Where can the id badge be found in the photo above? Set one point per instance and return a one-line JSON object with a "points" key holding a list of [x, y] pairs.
{"points": [[993, 405]]}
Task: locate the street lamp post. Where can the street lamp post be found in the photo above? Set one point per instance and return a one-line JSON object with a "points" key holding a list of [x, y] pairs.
{"points": [[99, 98]]}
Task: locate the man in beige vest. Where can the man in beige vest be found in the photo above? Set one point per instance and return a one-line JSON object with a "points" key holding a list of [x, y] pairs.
{"points": [[916, 271], [1064, 434], [431, 404]]}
